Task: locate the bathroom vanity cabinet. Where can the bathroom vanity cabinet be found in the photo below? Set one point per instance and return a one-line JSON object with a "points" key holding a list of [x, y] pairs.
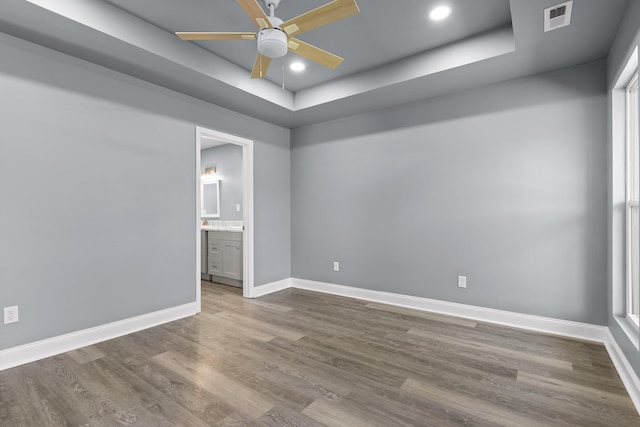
{"points": [[224, 256]]}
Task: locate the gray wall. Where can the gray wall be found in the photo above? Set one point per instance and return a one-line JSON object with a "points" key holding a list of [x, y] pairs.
{"points": [[504, 184], [109, 162], [628, 37], [227, 160]]}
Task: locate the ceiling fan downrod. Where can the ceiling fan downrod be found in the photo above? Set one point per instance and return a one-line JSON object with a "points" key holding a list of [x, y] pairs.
{"points": [[272, 6]]}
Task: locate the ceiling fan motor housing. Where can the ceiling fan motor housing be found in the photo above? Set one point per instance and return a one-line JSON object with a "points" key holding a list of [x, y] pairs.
{"points": [[273, 42]]}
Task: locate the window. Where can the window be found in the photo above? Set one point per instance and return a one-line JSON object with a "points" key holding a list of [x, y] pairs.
{"points": [[633, 200]]}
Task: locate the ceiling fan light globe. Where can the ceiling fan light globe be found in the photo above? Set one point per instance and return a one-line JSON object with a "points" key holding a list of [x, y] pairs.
{"points": [[272, 42]]}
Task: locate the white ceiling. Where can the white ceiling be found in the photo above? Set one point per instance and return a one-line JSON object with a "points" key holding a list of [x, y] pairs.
{"points": [[393, 53]]}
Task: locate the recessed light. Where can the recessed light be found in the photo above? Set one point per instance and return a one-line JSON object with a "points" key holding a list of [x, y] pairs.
{"points": [[297, 66], [439, 13]]}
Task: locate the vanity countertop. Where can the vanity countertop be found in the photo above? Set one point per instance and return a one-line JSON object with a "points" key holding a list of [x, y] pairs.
{"points": [[221, 228]]}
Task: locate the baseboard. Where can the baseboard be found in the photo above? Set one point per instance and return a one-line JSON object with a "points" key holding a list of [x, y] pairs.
{"points": [[270, 288], [50, 347], [626, 372], [523, 321]]}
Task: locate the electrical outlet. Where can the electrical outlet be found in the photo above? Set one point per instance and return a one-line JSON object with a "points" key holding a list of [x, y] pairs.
{"points": [[10, 314], [336, 266], [237, 208], [462, 281]]}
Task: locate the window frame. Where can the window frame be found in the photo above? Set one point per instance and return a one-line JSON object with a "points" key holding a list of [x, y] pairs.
{"points": [[632, 198]]}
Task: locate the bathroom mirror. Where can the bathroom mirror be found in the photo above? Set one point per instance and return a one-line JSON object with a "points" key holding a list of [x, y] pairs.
{"points": [[210, 199]]}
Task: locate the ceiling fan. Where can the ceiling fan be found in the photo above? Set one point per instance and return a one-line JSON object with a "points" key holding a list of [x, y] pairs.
{"points": [[275, 36]]}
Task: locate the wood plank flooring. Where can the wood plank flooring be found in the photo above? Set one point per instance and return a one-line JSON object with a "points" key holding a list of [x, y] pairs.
{"points": [[298, 358]]}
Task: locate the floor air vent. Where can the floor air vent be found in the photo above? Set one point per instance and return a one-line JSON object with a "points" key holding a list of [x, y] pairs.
{"points": [[557, 16]]}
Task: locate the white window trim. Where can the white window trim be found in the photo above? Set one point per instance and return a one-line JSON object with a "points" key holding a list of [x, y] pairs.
{"points": [[618, 201], [632, 174]]}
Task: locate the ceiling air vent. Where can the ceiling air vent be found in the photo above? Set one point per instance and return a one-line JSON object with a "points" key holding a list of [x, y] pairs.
{"points": [[557, 16]]}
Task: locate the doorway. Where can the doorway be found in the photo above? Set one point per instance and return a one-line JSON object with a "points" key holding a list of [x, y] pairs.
{"points": [[207, 137]]}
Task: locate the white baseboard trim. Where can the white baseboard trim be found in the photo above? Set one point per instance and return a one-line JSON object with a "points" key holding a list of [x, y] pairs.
{"points": [[27, 353], [626, 372], [523, 321], [270, 288]]}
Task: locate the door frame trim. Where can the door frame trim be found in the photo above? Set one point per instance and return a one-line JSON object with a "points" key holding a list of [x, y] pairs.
{"points": [[247, 213]]}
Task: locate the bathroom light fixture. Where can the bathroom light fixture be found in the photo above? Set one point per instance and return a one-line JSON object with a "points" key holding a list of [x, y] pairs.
{"points": [[209, 175], [297, 66], [439, 13]]}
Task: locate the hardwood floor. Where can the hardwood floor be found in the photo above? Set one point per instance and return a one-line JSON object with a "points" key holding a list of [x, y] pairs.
{"points": [[298, 358]]}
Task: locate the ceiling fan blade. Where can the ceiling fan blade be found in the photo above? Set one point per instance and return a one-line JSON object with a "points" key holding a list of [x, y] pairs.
{"points": [[255, 12], [202, 35], [323, 15], [260, 67], [313, 53]]}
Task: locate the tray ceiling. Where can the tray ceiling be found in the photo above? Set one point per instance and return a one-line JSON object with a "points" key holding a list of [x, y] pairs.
{"points": [[393, 53]]}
